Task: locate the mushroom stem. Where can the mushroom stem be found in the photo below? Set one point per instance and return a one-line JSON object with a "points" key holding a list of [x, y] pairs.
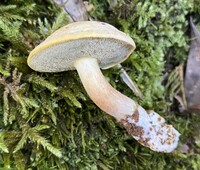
{"points": [[148, 128], [101, 92]]}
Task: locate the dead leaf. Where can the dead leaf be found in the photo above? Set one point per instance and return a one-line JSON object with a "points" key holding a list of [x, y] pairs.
{"points": [[175, 87], [129, 82], [192, 78], [75, 8]]}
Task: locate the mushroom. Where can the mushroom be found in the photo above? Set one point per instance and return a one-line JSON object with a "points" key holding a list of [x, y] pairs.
{"points": [[88, 46]]}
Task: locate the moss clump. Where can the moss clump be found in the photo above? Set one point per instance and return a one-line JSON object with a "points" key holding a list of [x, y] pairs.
{"points": [[48, 121]]}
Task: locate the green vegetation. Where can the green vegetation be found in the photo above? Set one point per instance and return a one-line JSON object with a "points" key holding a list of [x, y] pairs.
{"points": [[48, 122]]}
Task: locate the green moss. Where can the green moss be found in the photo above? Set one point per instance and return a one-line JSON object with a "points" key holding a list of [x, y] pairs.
{"points": [[48, 121]]}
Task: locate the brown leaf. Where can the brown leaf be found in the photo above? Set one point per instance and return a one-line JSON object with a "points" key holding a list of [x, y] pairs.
{"points": [[192, 78]]}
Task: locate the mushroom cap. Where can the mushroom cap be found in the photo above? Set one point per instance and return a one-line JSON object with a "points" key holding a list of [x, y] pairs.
{"points": [[81, 39]]}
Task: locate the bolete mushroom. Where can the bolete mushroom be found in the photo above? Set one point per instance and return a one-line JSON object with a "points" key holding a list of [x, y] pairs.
{"points": [[88, 46]]}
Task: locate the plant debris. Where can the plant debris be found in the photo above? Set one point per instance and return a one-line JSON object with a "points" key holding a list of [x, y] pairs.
{"points": [[192, 78]]}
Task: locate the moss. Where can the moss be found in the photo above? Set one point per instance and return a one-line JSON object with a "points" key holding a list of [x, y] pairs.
{"points": [[48, 121]]}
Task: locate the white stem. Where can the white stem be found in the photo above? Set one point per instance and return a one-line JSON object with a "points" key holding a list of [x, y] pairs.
{"points": [[101, 92], [148, 128]]}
